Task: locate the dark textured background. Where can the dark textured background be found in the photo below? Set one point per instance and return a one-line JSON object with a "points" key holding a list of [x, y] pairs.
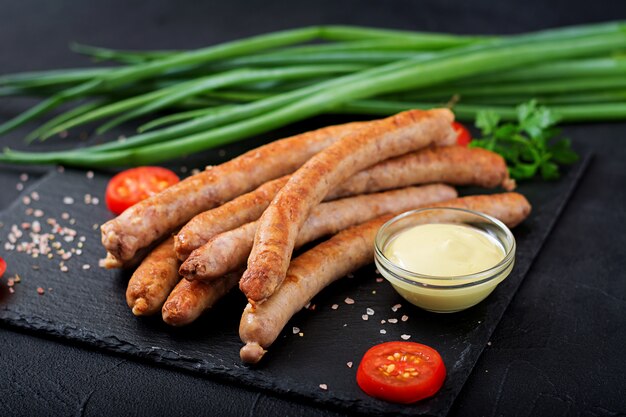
{"points": [[558, 349]]}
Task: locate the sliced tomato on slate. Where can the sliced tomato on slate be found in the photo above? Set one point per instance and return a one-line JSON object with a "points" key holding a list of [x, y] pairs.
{"points": [[133, 185], [401, 372]]}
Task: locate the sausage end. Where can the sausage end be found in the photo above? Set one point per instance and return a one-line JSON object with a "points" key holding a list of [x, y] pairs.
{"points": [[251, 353]]}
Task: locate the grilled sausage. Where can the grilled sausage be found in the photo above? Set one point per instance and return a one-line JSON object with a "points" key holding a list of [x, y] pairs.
{"points": [[229, 250], [280, 223], [147, 221], [153, 280], [347, 251], [453, 165], [243, 209], [190, 299]]}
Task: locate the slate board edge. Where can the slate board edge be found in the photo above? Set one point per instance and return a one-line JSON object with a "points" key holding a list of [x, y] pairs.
{"points": [[172, 359]]}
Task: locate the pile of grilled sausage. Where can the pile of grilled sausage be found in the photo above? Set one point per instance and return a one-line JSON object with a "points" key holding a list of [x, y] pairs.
{"points": [[239, 222]]}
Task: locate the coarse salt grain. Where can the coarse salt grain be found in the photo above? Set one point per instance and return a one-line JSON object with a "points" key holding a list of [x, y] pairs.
{"points": [[396, 307], [68, 200], [324, 386], [404, 318], [379, 279], [349, 364], [335, 306], [19, 186], [383, 331], [24, 177], [365, 317], [34, 195], [405, 336], [369, 311], [89, 174], [383, 321], [348, 300], [392, 321], [295, 330], [26, 200]]}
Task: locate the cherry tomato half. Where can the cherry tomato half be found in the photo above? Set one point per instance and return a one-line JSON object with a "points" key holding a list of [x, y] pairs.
{"points": [[133, 185], [401, 372], [3, 266], [463, 136]]}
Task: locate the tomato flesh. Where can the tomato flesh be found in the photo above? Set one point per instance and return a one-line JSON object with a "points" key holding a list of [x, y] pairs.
{"points": [[136, 184], [3, 266], [463, 136], [401, 372]]}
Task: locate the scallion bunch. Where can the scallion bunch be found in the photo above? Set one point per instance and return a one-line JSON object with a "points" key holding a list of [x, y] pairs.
{"points": [[232, 91]]}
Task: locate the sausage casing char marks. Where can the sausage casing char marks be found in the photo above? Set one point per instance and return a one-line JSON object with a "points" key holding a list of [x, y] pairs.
{"points": [[229, 250], [345, 252], [153, 280], [280, 223], [149, 220], [241, 210], [453, 165]]}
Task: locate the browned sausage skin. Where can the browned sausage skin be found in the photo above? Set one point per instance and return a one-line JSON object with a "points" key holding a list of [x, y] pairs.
{"points": [[153, 280], [280, 223], [229, 250], [190, 299], [149, 220], [241, 210], [453, 165], [345, 252]]}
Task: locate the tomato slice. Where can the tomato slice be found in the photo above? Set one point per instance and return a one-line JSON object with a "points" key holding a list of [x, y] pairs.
{"points": [[463, 136], [401, 372], [133, 185], [3, 266]]}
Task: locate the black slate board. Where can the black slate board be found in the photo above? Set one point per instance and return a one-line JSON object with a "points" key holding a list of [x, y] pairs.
{"points": [[88, 306]]}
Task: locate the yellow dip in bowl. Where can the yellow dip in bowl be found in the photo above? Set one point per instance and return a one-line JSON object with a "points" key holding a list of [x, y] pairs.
{"points": [[444, 259]]}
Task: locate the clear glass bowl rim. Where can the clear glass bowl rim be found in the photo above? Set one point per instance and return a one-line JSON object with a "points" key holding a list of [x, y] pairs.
{"points": [[475, 278]]}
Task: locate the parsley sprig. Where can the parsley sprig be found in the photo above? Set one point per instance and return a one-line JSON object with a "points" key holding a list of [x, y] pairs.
{"points": [[532, 145]]}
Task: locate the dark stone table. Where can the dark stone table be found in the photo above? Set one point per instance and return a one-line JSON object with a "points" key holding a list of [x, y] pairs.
{"points": [[559, 350]]}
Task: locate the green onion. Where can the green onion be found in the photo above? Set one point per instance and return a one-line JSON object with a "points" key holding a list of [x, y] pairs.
{"points": [[577, 70]]}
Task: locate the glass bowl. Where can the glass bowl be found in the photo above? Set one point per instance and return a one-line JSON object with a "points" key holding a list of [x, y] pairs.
{"points": [[444, 294]]}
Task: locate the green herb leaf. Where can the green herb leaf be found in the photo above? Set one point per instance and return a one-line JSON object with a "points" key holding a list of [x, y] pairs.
{"points": [[530, 146], [487, 121]]}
